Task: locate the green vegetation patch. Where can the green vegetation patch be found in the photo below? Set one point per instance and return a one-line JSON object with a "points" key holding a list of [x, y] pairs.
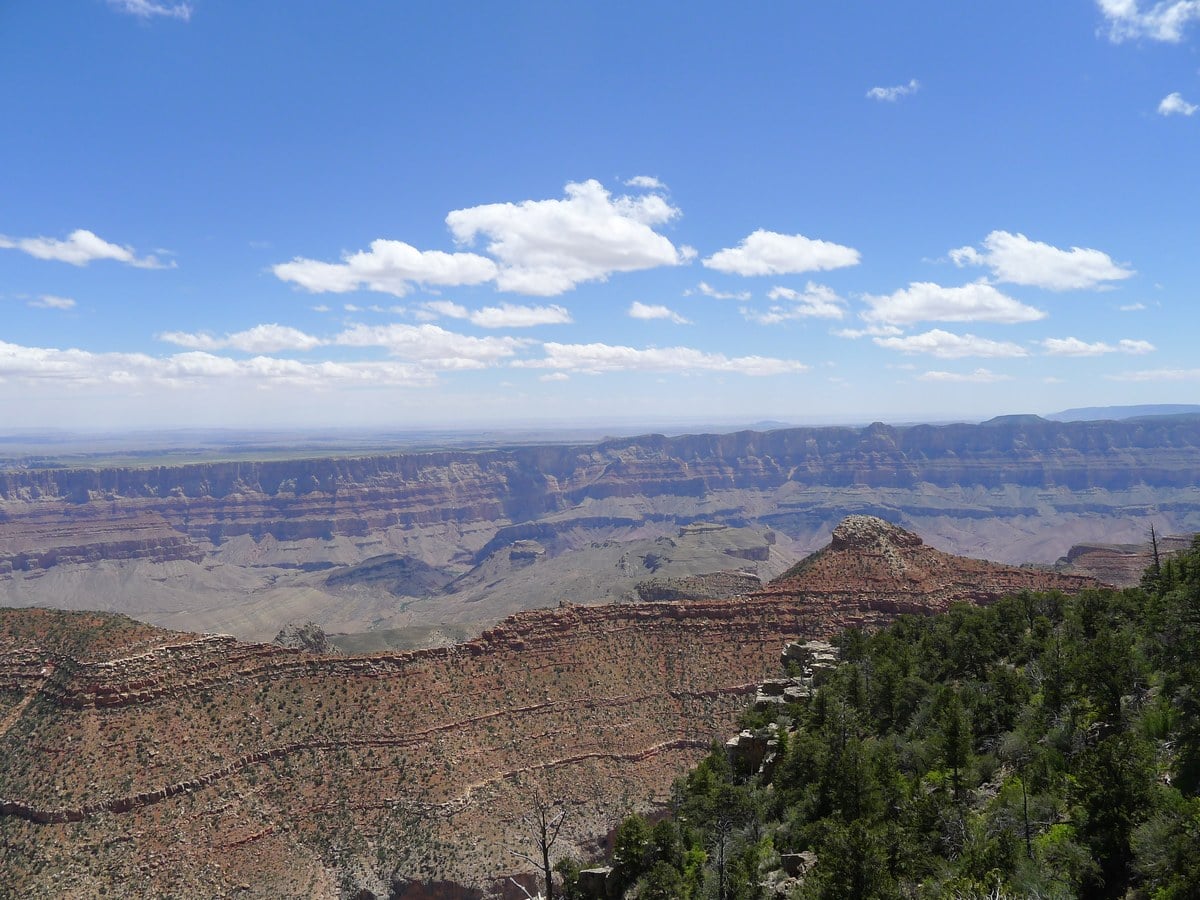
{"points": [[1046, 746]]}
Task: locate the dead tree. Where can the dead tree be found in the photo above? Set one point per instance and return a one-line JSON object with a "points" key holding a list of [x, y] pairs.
{"points": [[541, 826]]}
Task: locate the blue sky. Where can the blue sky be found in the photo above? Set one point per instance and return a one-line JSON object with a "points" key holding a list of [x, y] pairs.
{"points": [[401, 214]]}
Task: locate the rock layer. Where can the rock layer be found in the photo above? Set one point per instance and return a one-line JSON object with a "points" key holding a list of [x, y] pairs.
{"points": [[264, 544], [870, 558], [182, 765], [319, 498]]}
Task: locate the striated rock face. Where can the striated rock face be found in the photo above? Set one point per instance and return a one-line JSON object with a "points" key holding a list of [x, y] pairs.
{"points": [[871, 558], [419, 540], [1119, 564], [185, 765], [1101, 466]]}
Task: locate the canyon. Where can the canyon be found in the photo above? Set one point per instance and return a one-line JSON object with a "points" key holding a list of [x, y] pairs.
{"points": [[177, 764], [429, 547]]}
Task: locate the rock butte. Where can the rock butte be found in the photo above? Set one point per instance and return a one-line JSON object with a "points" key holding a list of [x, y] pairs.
{"points": [[186, 765]]}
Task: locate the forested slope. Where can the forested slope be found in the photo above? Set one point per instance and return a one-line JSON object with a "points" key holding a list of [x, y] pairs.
{"points": [[1044, 746]]}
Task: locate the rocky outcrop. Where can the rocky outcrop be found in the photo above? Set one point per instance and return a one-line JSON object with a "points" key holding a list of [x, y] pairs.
{"points": [[204, 505], [1119, 564], [155, 748], [715, 586], [870, 559]]}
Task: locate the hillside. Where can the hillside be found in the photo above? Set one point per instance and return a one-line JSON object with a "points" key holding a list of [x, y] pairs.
{"points": [[1043, 746], [185, 764], [245, 547]]}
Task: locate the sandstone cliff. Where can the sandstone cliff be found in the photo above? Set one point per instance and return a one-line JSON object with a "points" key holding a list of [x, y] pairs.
{"points": [[248, 536], [185, 765]]}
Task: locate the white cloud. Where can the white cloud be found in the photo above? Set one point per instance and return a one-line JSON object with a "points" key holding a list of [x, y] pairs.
{"points": [[146, 9], [1158, 375], [40, 365], [597, 358], [391, 267], [709, 291], [431, 345], [924, 301], [945, 345], [508, 315], [646, 182], [1164, 20], [979, 376], [1175, 105], [645, 311], [816, 301], [80, 248], [259, 339], [869, 331], [1016, 259], [447, 308], [547, 247], [892, 94], [770, 253], [49, 301], [555, 376], [1132, 307], [1074, 347]]}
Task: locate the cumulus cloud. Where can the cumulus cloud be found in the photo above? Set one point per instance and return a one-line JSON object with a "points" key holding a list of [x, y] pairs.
{"points": [[892, 94], [547, 247], [816, 301], [1074, 347], [598, 358], [945, 345], [979, 376], [709, 291], [390, 267], [1175, 105], [39, 365], [431, 345], [1015, 259], [80, 248], [924, 301], [869, 331], [259, 339], [646, 311], [49, 301], [771, 253], [432, 309], [146, 9], [1164, 20], [646, 182], [508, 315]]}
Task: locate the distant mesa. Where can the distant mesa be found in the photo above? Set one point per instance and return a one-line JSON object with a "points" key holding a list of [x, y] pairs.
{"points": [[1014, 421], [1121, 413]]}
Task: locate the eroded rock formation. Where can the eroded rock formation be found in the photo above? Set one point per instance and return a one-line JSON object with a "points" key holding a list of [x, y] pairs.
{"points": [[198, 765], [418, 540], [870, 558]]}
